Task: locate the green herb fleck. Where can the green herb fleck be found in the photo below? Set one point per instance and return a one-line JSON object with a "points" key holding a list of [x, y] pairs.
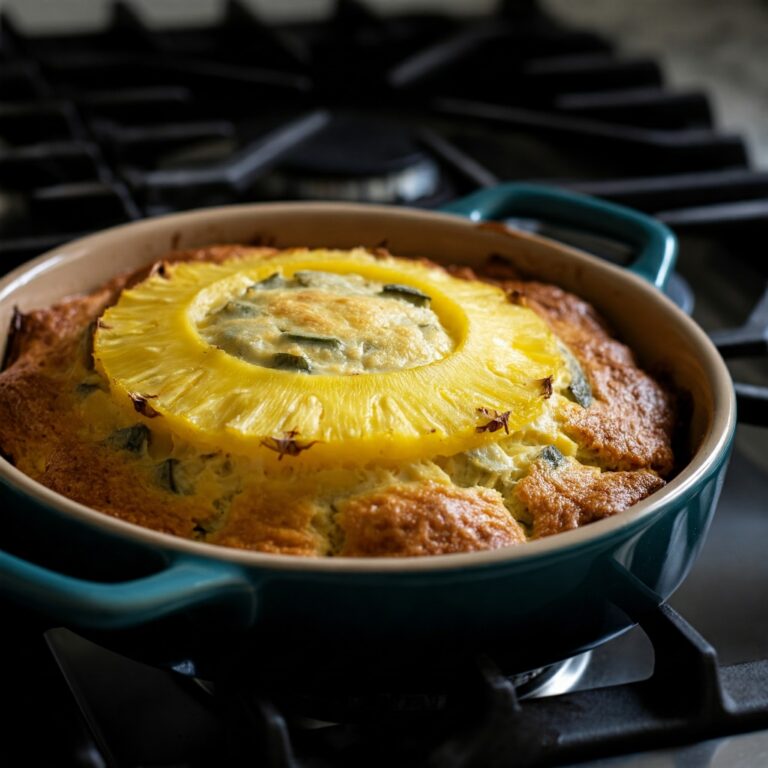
{"points": [[241, 309], [329, 342], [406, 293], [131, 439], [85, 388], [286, 362], [166, 475], [552, 457], [308, 277], [275, 280], [579, 388], [172, 476]]}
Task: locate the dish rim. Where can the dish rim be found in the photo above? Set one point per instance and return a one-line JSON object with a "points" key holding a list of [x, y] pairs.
{"points": [[711, 451]]}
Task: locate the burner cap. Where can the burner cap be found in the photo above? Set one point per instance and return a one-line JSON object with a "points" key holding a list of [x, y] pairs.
{"points": [[357, 146], [360, 159], [411, 698]]}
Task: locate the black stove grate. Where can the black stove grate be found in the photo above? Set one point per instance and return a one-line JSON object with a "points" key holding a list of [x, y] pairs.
{"points": [[749, 340], [688, 698], [185, 109]]}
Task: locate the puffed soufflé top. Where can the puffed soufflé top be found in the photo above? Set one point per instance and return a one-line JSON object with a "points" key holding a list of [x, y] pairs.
{"points": [[334, 403]]}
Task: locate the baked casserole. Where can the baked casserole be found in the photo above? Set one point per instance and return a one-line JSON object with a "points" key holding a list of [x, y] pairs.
{"points": [[334, 403]]}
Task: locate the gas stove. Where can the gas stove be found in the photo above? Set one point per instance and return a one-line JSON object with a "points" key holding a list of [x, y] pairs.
{"points": [[127, 121]]}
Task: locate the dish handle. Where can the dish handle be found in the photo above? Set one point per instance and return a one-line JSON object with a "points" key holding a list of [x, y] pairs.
{"points": [[183, 584], [654, 244]]}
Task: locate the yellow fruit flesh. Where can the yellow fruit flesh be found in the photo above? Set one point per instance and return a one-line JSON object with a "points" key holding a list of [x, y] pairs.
{"points": [[149, 346]]}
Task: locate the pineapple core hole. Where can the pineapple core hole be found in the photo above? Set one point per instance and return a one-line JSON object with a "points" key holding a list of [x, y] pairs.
{"points": [[315, 322]]}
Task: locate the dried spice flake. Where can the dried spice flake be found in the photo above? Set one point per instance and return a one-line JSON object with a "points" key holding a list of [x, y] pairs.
{"points": [[497, 420], [287, 445], [160, 268], [88, 342], [13, 341], [141, 405], [380, 251], [546, 387]]}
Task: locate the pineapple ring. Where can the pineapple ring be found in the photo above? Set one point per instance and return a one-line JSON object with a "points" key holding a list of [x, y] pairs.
{"points": [[497, 377]]}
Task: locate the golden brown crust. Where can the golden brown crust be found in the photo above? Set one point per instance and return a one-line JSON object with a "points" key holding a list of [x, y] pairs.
{"points": [[572, 496], [106, 481], [275, 521], [30, 421], [212, 253], [629, 424], [425, 519], [33, 399], [45, 337]]}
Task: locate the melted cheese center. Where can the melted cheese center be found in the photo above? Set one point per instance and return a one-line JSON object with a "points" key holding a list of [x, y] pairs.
{"points": [[326, 323]]}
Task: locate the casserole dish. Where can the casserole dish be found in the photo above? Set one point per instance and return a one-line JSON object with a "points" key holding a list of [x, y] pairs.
{"points": [[546, 600]]}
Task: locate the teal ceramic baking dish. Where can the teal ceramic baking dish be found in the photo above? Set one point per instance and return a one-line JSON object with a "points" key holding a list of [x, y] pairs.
{"points": [[543, 601]]}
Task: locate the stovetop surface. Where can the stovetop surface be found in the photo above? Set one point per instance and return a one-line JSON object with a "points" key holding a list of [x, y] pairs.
{"points": [[78, 157]]}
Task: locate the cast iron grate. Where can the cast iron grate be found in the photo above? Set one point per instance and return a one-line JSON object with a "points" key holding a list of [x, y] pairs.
{"points": [[185, 108], [749, 340], [688, 698]]}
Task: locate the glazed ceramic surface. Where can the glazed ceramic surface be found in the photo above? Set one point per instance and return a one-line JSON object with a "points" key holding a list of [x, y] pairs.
{"points": [[548, 599]]}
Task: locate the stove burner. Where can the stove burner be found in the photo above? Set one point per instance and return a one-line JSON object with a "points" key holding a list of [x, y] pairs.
{"points": [[181, 717], [139, 715], [453, 695], [360, 159]]}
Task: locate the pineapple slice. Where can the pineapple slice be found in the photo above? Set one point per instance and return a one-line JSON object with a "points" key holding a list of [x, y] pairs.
{"points": [[490, 372]]}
